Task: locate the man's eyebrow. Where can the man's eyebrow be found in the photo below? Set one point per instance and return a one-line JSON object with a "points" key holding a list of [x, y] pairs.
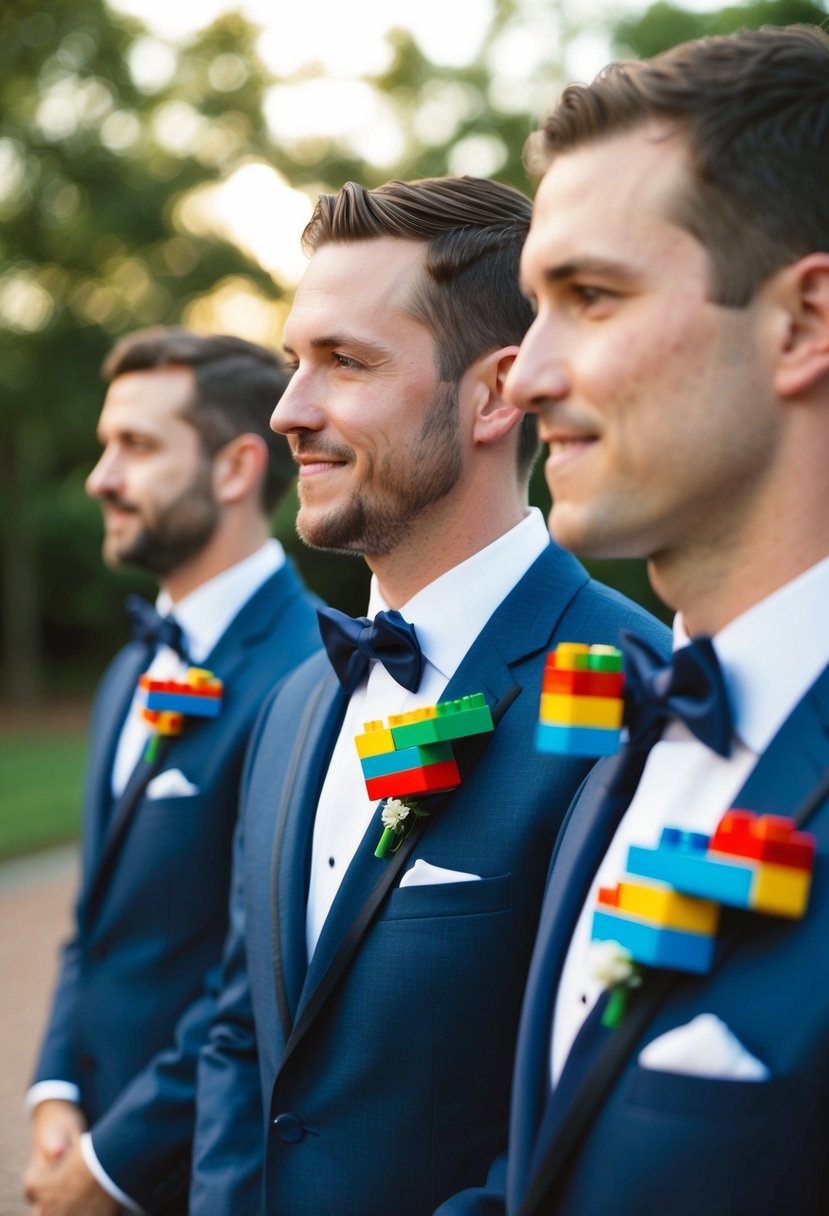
{"points": [[333, 341], [586, 265]]}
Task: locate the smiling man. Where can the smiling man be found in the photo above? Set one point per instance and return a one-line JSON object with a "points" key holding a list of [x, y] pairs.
{"points": [[361, 1058], [678, 260], [188, 476]]}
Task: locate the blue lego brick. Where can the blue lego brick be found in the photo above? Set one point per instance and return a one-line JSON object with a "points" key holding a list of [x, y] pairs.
{"points": [[404, 759], [184, 703], [654, 945], [681, 861], [576, 740]]}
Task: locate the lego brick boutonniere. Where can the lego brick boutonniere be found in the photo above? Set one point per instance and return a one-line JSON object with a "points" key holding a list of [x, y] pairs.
{"points": [[166, 703], [414, 755], [666, 910]]}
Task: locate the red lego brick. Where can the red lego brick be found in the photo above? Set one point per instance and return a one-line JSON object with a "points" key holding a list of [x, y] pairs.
{"points": [[609, 896], [430, 779], [583, 683], [769, 838]]}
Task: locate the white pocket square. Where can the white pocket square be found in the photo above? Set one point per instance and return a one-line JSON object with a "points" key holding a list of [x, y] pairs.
{"points": [[171, 784], [424, 874], [704, 1047]]}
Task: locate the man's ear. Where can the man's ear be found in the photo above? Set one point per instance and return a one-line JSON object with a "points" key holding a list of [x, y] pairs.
{"points": [[239, 467], [802, 359], [494, 417]]}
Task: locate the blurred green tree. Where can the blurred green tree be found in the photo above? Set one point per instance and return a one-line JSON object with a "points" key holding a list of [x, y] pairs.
{"points": [[108, 139], [664, 25]]}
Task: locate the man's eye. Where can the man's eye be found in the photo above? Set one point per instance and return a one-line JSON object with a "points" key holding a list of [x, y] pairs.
{"points": [[589, 296], [345, 361]]}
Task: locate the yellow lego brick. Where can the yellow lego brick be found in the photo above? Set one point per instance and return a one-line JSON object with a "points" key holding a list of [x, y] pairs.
{"points": [[581, 711], [781, 890], [572, 656], [668, 908], [413, 715], [376, 740]]}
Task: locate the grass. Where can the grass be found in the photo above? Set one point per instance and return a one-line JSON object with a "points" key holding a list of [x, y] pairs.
{"points": [[41, 778]]}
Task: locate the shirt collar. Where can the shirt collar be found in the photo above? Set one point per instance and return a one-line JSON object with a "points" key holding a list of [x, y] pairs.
{"points": [[205, 613], [772, 654], [450, 612]]}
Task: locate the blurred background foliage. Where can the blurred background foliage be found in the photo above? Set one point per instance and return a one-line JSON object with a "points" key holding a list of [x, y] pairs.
{"points": [[113, 143]]}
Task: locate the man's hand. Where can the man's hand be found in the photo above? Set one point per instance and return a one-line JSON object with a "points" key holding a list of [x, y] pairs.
{"points": [[67, 1188], [56, 1127]]}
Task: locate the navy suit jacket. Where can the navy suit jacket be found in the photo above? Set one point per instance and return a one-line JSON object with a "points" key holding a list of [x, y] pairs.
{"points": [[383, 1068], [655, 1143], [131, 1008]]}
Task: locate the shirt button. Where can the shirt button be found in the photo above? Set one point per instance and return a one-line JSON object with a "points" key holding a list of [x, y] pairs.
{"points": [[331, 861], [289, 1128]]}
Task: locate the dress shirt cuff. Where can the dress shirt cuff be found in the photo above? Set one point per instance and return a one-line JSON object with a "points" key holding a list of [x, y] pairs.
{"points": [[46, 1091], [103, 1179]]}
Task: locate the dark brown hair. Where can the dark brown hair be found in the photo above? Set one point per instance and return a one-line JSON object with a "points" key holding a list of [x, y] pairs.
{"points": [[473, 230], [754, 109], [237, 386]]}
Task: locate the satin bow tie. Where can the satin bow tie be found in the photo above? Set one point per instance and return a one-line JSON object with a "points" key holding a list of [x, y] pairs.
{"points": [[690, 688], [147, 626], [353, 642]]}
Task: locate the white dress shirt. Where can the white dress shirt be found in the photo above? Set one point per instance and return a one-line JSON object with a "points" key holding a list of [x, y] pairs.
{"points": [[204, 615], [448, 615], [770, 656]]}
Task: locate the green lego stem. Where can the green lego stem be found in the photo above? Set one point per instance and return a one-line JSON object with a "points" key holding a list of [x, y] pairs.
{"points": [[152, 749], [615, 1007], [384, 847]]}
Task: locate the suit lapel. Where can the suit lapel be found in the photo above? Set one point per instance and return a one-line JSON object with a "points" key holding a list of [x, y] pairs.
{"points": [[318, 729], [106, 732], [582, 843], [790, 775]]}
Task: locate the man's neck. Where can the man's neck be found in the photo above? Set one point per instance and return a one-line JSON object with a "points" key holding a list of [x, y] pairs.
{"points": [[713, 590], [219, 555], [426, 555]]}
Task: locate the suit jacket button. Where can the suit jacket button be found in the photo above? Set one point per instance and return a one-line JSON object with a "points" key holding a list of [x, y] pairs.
{"points": [[289, 1128], [87, 1061]]}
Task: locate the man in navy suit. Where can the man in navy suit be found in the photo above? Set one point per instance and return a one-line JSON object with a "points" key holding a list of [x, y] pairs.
{"points": [[679, 367], [187, 480], [361, 1058]]}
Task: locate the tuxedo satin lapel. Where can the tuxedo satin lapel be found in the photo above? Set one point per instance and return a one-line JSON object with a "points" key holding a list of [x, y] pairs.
{"points": [[582, 843], [111, 716], [122, 812], [795, 760], [293, 834]]}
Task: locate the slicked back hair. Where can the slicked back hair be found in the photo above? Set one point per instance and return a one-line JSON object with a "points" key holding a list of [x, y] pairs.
{"points": [[468, 297], [237, 386], [753, 108]]}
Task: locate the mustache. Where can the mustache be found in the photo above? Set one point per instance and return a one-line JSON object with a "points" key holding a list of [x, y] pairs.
{"points": [[307, 445], [111, 499]]}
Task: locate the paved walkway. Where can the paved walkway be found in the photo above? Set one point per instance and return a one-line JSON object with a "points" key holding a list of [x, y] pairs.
{"points": [[35, 902]]}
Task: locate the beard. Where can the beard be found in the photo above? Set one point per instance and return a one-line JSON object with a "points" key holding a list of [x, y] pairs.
{"points": [[396, 489], [178, 532]]}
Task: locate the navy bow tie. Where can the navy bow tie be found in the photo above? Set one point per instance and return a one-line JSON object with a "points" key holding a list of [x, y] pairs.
{"points": [[147, 626], [691, 688], [353, 642]]}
